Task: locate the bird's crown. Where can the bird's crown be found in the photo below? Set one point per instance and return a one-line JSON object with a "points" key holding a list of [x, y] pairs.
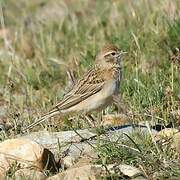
{"points": [[108, 49]]}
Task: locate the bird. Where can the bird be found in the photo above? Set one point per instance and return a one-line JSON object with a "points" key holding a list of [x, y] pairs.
{"points": [[95, 90]]}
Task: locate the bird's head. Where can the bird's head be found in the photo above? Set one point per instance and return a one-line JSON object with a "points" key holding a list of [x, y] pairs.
{"points": [[109, 56]]}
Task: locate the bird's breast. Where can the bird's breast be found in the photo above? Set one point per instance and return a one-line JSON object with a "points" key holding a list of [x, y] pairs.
{"points": [[111, 87]]}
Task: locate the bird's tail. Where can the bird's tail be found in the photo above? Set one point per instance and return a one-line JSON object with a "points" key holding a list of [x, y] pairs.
{"points": [[41, 119]]}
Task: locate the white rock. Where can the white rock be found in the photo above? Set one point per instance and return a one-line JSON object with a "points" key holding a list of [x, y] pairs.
{"points": [[46, 138], [27, 153], [68, 140], [80, 143], [81, 173], [127, 170]]}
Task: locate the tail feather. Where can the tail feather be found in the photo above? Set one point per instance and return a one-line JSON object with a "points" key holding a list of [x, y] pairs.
{"points": [[40, 120]]}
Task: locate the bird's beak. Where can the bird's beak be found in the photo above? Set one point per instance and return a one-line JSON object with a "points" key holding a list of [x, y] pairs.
{"points": [[121, 53]]}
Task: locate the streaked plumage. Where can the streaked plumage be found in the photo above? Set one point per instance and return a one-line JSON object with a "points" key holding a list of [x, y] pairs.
{"points": [[95, 90]]}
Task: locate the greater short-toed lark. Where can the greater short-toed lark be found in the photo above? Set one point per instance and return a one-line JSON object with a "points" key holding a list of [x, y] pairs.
{"points": [[95, 90]]}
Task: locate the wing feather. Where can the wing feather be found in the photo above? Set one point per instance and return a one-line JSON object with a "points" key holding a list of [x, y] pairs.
{"points": [[90, 84]]}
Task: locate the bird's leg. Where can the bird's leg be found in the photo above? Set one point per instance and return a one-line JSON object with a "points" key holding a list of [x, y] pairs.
{"points": [[90, 120]]}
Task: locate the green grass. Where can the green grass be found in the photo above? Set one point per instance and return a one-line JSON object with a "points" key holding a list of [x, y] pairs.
{"points": [[140, 151], [41, 46]]}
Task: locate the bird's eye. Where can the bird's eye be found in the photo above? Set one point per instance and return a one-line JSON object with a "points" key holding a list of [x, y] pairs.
{"points": [[113, 53]]}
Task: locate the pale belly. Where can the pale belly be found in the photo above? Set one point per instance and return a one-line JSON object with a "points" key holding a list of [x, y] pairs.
{"points": [[98, 101]]}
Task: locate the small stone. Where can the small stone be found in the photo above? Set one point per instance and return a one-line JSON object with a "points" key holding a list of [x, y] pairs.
{"points": [[87, 172], [31, 174], [171, 135], [130, 171], [127, 170], [27, 153], [166, 133], [114, 119]]}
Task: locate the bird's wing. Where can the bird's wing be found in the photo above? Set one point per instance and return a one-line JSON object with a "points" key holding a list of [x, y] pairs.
{"points": [[90, 84]]}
